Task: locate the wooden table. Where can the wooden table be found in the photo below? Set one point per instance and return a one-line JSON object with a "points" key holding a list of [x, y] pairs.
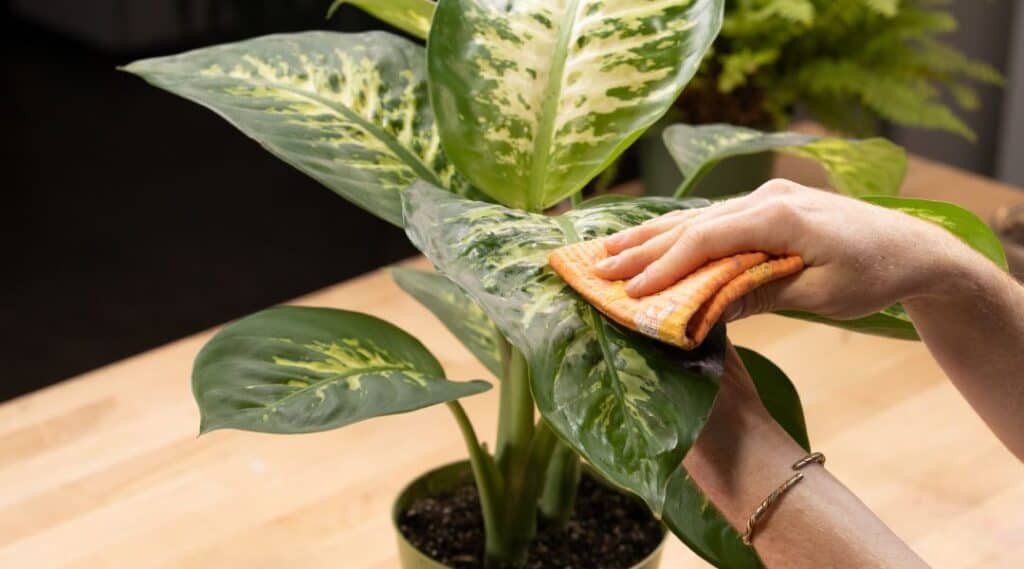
{"points": [[105, 470]]}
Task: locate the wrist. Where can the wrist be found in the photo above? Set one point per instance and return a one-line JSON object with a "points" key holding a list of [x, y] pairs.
{"points": [[740, 457], [952, 272]]}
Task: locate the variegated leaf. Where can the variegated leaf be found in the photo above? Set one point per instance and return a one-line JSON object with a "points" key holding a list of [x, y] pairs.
{"points": [[893, 322], [535, 98], [690, 515], [630, 405], [873, 166], [350, 110], [298, 370], [412, 16], [458, 312]]}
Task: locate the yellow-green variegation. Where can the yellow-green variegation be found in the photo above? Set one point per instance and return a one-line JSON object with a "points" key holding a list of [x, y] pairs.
{"points": [[534, 98], [350, 110], [872, 166], [298, 370], [411, 16], [630, 405], [458, 312]]}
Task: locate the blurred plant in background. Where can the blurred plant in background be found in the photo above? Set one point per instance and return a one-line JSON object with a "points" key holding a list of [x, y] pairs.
{"points": [[849, 63]]}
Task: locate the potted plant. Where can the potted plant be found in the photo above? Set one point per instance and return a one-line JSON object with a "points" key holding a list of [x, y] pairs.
{"points": [[507, 112], [849, 64]]}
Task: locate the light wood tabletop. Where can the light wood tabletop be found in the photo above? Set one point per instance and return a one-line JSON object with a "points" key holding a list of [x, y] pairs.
{"points": [[105, 469]]}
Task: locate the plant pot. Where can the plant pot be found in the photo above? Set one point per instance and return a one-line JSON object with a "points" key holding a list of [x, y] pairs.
{"points": [[445, 479], [731, 176], [1008, 223]]}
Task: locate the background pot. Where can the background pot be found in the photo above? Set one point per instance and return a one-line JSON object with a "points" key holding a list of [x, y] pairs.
{"points": [[445, 479], [731, 176]]}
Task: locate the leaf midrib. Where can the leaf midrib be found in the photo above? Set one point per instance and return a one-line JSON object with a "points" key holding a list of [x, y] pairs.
{"points": [[545, 129], [597, 324], [412, 160], [336, 377]]}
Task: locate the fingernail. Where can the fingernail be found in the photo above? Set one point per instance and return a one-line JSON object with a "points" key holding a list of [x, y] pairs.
{"points": [[635, 283], [605, 263]]}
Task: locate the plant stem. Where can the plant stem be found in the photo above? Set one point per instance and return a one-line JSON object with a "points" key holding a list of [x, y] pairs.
{"points": [[688, 184], [560, 484], [515, 415], [576, 198], [521, 501], [489, 487]]}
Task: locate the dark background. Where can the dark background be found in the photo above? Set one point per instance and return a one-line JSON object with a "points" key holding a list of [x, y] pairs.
{"points": [[134, 218]]}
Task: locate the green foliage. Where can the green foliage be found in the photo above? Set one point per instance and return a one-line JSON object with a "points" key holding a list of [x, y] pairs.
{"points": [[530, 100], [410, 16], [873, 166], [630, 405], [297, 370], [850, 62]]}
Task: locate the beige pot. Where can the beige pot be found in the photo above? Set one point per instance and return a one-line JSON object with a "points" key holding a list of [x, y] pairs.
{"points": [[445, 479]]}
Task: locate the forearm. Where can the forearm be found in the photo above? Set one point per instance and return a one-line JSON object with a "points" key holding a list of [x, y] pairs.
{"points": [[741, 456], [972, 321]]}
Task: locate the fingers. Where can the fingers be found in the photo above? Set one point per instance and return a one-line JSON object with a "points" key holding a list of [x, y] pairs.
{"points": [[753, 229], [631, 261], [640, 234]]}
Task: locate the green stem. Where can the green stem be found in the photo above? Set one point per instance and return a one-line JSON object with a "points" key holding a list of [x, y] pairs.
{"points": [[688, 184], [515, 415], [576, 198], [489, 487], [560, 485], [521, 511]]}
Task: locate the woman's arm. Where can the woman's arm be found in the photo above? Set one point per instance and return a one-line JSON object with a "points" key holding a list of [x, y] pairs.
{"points": [[743, 454], [859, 259]]}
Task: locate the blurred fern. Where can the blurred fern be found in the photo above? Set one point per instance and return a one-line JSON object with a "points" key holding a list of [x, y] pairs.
{"points": [[851, 63]]}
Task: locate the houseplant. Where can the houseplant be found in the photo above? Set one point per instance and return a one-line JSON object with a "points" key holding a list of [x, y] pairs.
{"points": [[849, 64], [465, 144]]}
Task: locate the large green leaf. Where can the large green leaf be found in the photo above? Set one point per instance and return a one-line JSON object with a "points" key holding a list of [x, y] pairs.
{"points": [[688, 513], [872, 166], [535, 98], [630, 405], [893, 322], [350, 110], [412, 16], [298, 370], [457, 311]]}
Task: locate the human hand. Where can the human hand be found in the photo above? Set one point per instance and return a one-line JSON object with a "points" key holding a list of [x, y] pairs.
{"points": [[859, 258]]}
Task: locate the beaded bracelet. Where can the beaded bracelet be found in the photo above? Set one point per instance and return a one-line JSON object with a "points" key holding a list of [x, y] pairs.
{"points": [[767, 503]]}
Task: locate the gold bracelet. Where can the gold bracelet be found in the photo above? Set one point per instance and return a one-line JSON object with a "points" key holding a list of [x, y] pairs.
{"points": [[763, 507]]}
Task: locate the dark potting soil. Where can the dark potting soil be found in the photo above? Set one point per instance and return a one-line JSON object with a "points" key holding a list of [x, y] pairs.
{"points": [[607, 531]]}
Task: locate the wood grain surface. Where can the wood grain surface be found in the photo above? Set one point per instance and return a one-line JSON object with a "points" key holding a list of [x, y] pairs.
{"points": [[105, 469]]}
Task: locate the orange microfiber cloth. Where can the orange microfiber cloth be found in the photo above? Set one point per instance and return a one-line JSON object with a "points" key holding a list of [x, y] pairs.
{"points": [[682, 314]]}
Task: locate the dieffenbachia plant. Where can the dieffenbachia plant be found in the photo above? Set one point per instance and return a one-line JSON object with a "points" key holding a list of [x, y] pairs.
{"points": [[513, 107]]}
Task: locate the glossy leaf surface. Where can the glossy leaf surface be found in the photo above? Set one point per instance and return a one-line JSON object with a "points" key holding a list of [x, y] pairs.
{"points": [[535, 98], [630, 405], [872, 166], [350, 110], [687, 512], [457, 311], [411, 16], [297, 370]]}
